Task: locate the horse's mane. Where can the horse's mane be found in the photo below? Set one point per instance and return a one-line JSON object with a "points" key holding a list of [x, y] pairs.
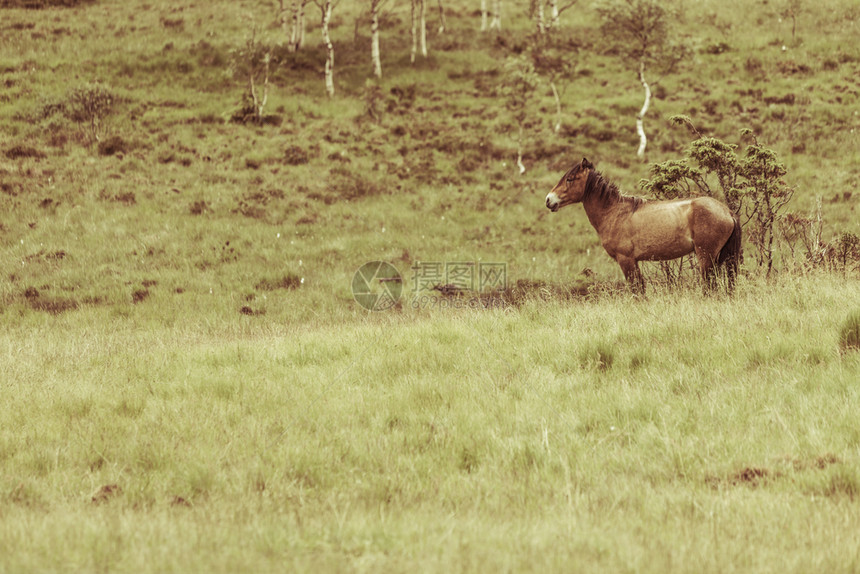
{"points": [[607, 192]]}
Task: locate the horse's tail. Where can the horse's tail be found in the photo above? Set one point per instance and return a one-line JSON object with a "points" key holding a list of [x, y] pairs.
{"points": [[730, 254]]}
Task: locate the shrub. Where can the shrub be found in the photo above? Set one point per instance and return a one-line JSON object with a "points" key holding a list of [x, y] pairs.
{"points": [[849, 335], [751, 184], [252, 62], [19, 151], [113, 145], [597, 355], [90, 105], [287, 282], [354, 185], [294, 155], [845, 250]]}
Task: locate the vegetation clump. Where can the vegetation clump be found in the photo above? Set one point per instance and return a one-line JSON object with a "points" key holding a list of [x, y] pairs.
{"points": [[849, 334], [286, 282], [751, 185], [40, 4], [23, 151]]}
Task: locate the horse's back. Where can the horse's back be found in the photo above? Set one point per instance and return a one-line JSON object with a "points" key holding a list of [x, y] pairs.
{"points": [[711, 212], [661, 230]]}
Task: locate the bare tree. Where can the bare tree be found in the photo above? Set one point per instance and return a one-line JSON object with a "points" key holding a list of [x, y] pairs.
{"points": [[555, 63], [793, 9], [519, 84], [640, 30], [442, 22], [293, 23], [556, 10], [484, 25], [418, 31], [422, 27], [496, 22], [374, 37], [413, 30], [326, 7], [252, 61], [537, 10]]}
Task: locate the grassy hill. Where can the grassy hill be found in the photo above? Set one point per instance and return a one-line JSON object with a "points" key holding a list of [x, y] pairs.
{"points": [[191, 386]]}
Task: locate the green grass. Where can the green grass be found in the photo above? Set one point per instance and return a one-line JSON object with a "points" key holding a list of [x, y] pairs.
{"points": [[189, 385], [673, 432]]}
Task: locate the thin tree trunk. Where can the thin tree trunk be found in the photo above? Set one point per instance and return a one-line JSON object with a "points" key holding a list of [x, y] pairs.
{"points": [[640, 129], [497, 15], [539, 17], [413, 31], [374, 39], [520, 151], [282, 12], [556, 12], [260, 102], [300, 41], [442, 22], [423, 28], [483, 15], [329, 60], [297, 29], [557, 126]]}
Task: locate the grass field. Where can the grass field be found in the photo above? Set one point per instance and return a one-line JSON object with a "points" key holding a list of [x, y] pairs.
{"points": [[189, 384]]}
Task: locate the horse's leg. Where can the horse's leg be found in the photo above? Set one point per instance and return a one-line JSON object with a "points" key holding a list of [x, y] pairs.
{"points": [[708, 268], [630, 268]]}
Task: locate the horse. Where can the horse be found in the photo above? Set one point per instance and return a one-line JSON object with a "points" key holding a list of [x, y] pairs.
{"points": [[634, 229]]}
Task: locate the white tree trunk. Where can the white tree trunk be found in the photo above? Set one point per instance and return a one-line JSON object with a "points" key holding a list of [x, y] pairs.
{"points": [[329, 60], [643, 141], [442, 23], [300, 41], [553, 13], [483, 15], [520, 151], [423, 28], [260, 101], [497, 15], [539, 17], [413, 31], [285, 21], [557, 126], [374, 38], [297, 27]]}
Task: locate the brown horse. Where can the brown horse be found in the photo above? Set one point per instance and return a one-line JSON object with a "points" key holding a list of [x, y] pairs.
{"points": [[633, 229]]}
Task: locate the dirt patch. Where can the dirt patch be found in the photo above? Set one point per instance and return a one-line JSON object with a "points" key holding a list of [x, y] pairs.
{"points": [[521, 292], [139, 295], [38, 301], [787, 99], [251, 312], [22, 151], [287, 282], [54, 306], [818, 462], [750, 475], [179, 501], [106, 493], [788, 467]]}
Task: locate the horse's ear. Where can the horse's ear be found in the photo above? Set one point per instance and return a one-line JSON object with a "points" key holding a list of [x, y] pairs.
{"points": [[586, 164]]}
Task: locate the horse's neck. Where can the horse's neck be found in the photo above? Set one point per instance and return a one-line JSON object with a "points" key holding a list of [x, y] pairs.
{"points": [[600, 212]]}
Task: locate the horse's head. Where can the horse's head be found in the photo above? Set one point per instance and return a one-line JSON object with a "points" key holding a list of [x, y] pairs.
{"points": [[571, 187]]}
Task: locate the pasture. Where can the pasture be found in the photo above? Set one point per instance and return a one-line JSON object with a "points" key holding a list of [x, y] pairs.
{"points": [[189, 384]]}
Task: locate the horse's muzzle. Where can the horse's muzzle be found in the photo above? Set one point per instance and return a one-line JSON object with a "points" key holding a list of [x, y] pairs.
{"points": [[552, 203]]}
